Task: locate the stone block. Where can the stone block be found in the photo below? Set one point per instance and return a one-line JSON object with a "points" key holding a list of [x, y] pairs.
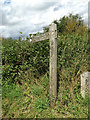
{"points": [[85, 83]]}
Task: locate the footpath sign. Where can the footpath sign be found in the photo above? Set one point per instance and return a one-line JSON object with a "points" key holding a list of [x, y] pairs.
{"points": [[52, 36]]}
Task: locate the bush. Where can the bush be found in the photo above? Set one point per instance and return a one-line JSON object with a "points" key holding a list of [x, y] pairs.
{"points": [[19, 56], [22, 57]]}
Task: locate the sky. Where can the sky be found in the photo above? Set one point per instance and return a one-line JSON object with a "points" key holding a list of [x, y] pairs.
{"points": [[30, 16]]}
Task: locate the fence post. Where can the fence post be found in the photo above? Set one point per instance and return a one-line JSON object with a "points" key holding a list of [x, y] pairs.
{"points": [[85, 83], [53, 63]]}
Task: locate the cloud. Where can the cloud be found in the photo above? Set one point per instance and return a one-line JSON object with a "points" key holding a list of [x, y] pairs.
{"points": [[31, 16]]}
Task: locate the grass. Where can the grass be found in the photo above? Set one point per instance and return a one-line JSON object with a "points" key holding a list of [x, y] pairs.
{"points": [[32, 101]]}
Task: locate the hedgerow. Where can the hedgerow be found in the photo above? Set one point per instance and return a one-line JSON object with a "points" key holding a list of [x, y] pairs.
{"points": [[20, 57]]}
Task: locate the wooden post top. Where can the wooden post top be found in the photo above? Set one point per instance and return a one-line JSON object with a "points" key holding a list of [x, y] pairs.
{"points": [[46, 36]]}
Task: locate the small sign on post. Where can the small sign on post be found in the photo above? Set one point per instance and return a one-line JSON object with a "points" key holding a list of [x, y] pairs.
{"points": [[52, 36], [40, 37]]}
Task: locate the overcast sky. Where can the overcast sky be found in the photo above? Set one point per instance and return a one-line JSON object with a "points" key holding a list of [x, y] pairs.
{"points": [[30, 16]]}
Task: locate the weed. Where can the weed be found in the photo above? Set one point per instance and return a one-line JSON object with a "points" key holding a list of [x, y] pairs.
{"points": [[41, 104], [36, 90]]}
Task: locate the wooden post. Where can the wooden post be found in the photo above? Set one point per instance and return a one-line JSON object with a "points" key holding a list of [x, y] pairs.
{"points": [[52, 36], [53, 63]]}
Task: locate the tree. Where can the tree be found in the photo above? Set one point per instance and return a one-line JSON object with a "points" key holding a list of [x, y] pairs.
{"points": [[70, 24]]}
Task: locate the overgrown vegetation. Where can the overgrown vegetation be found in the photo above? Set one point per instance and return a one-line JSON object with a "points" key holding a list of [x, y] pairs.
{"points": [[26, 76]]}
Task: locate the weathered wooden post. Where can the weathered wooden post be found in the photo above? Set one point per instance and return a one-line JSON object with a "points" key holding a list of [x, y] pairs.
{"points": [[52, 36], [53, 63]]}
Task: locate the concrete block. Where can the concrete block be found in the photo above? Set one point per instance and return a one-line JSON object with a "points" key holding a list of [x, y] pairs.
{"points": [[85, 83]]}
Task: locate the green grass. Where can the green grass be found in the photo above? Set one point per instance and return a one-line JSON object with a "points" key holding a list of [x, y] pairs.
{"points": [[31, 101]]}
